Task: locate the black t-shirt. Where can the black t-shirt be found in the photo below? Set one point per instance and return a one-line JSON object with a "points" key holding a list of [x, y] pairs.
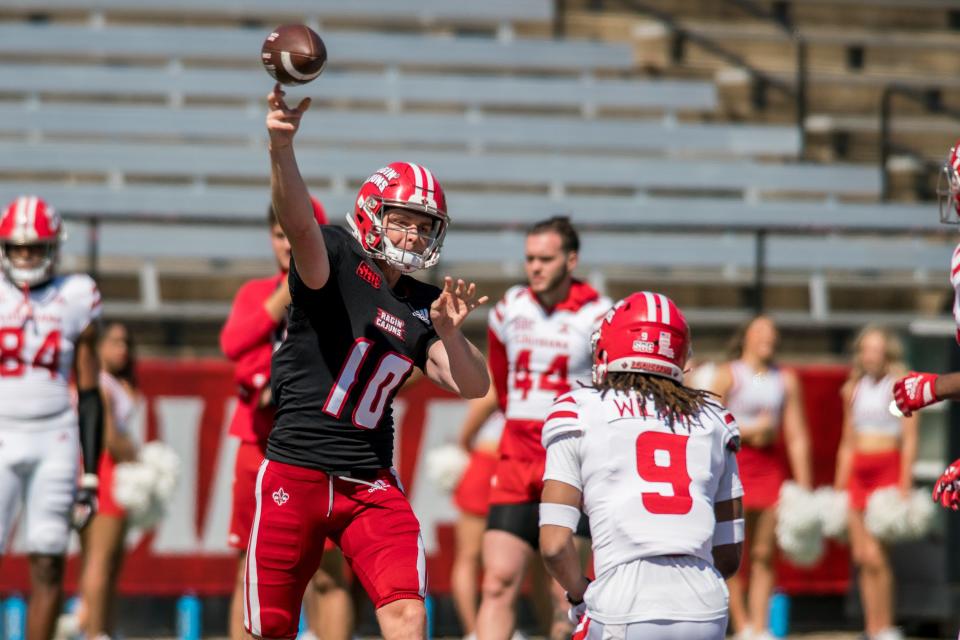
{"points": [[349, 346]]}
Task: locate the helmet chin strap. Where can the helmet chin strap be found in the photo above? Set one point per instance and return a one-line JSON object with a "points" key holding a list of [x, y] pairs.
{"points": [[403, 259]]}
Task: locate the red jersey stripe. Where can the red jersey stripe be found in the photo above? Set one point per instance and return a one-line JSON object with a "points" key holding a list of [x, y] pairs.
{"points": [[556, 415]]}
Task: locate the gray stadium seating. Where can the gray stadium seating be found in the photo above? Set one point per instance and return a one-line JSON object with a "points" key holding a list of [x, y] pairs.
{"points": [[242, 46], [117, 121], [501, 249], [245, 205], [415, 130], [491, 12], [194, 162], [396, 89]]}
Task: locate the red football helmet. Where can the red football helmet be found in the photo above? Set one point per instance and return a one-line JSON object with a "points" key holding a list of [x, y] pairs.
{"points": [[948, 187], [28, 220], [644, 333], [401, 185]]}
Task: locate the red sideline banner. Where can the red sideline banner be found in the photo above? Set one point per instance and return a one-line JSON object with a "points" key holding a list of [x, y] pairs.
{"points": [[188, 405]]}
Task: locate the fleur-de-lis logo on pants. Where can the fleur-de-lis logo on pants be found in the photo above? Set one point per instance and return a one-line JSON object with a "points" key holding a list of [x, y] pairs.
{"points": [[280, 497]]}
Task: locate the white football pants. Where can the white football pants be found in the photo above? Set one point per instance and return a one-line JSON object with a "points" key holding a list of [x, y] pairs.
{"points": [[653, 630], [38, 467]]}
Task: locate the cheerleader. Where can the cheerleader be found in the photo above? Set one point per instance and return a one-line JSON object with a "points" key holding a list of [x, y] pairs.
{"points": [[877, 450], [480, 437], [103, 540], [768, 406]]}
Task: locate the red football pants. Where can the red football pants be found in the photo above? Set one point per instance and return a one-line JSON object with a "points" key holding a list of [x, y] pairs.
{"points": [[370, 519]]}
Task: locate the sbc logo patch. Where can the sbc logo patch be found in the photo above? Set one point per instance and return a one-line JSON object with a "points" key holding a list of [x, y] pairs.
{"points": [[368, 275]]}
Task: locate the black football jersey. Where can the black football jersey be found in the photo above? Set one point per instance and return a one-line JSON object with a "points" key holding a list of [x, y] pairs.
{"points": [[349, 346]]}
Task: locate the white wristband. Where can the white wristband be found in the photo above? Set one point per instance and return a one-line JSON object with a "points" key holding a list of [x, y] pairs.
{"points": [[728, 532], [561, 515], [89, 481]]}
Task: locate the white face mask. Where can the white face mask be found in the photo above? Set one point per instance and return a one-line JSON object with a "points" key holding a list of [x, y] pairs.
{"points": [[30, 276], [403, 260]]}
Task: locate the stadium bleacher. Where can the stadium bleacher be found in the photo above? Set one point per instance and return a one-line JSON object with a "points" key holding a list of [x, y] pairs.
{"points": [[473, 131], [490, 13], [394, 90], [346, 48], [148, 120]]}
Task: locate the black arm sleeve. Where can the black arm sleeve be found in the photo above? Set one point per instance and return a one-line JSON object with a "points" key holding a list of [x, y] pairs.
{"points": [[90, 409]]}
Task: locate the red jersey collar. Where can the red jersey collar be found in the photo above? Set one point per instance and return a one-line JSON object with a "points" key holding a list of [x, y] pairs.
{"points": [[579, 295]]}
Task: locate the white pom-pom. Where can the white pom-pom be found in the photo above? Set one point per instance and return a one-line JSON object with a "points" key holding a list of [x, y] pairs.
{"points": [[799, 530], [920, 513], [445, 465], [152, 516], [133, 486], [144, 488], [166, 464], [887, 515], [802, 551], [833, 507]]}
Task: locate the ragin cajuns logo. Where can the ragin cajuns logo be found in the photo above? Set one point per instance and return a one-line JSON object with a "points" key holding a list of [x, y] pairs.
{"points": [[390, 323]]}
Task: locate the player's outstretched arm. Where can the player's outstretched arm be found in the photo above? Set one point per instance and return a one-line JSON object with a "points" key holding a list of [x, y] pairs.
{"points": [[289, 194], [917, 390], [453, 362]]}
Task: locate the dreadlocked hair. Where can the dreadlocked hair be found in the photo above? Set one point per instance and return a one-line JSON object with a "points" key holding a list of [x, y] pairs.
{"points": [[675, 403]]}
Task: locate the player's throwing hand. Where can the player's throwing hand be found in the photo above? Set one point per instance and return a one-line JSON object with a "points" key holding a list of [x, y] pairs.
{"points": [[454, 304], [282, 121]]}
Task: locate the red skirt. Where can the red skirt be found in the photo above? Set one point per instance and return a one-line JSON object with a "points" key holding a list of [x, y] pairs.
{"points": [[473, 493], [107, 504], [762, 472], [869, 472]]}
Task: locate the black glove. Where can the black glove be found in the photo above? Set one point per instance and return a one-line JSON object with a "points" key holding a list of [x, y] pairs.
{"points": [[85, 502]]}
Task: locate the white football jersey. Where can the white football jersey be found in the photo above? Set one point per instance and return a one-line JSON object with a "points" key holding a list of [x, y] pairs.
{"points": [[547, 353], [648, 490], [38, 335]]}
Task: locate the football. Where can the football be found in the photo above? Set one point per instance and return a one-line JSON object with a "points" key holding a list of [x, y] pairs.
{"points": [[293, 54]]}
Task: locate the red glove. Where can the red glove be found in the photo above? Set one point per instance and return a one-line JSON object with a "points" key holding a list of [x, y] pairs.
{"points": [[947, 489], [915, 391]]}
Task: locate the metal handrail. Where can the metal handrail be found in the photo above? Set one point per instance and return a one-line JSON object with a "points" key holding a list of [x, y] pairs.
{"points": [[761, 80]]}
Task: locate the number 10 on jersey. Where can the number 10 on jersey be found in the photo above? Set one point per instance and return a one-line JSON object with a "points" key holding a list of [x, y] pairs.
{"points": [[390, 371]]}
